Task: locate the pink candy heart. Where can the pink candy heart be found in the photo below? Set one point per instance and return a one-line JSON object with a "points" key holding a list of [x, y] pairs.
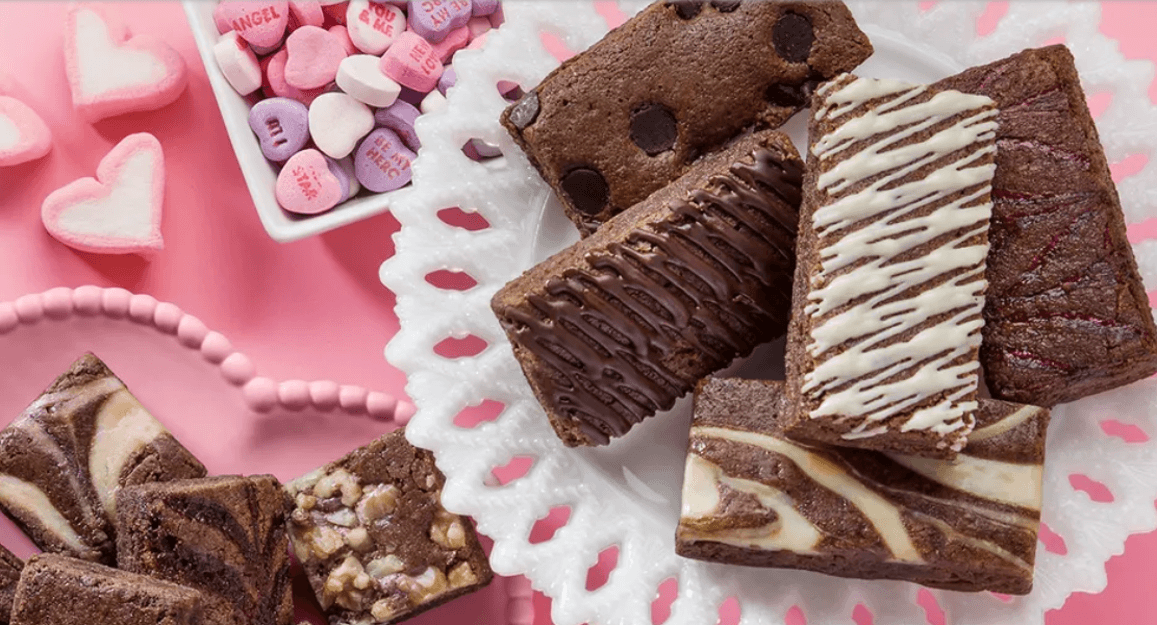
{"points": [[23, 135], [412, 63], [313, 57], [111, 74], [307, 186], [118, 212], [261, 23]]}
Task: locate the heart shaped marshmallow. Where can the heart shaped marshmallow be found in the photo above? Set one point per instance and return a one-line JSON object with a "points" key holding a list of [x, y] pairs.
{"points": [[118, 212], [111, 74], [23, 135]]}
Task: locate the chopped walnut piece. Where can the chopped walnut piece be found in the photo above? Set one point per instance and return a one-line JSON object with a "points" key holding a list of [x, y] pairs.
{"points": [[323, 541], [430, 583], [339, 481], [462, 575], [305, 482], [359, 539], [381, 567], [345, 583], [344, 517], [447, 530], [305, 502], [377, 502]]}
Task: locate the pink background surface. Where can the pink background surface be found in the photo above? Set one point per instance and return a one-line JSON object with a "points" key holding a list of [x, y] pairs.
{"points": [[312, 309]]}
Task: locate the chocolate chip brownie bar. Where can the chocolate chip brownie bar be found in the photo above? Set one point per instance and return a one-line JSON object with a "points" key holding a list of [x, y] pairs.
{"points": [[58, 590], [754, 497], [889, 285], [626, 321], [1066, 314], [374, 539], [64, 459], [224, 536], [631, 114]]}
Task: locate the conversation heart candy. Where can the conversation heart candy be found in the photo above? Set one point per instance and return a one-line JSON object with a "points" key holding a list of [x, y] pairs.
{"points": [[337, 121], [478, 25], [306, 185], [449, 77], [305, 13], [119, 211], [434, 19], [434, 101], [400, 117], [261, 22], [483, 7], [382, 161], [412, 63], [221, 19], [497, 18], [343, 37], [112, 74], [455, 41], [343, 170], [374, 26], [275, 74], [361, 76], [281, 126], [238, 64], [23, 135], [312, 57], [335, 13]]}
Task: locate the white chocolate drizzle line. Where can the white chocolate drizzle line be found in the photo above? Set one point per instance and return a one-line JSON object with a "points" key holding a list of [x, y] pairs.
{"points": [[123, 427], [21, 495], [1004, 425], [868, 256], [882, 514], [791, 531]]}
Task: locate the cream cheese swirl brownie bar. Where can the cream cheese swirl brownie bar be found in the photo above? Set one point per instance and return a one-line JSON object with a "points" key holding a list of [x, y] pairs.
{"points": [[754, 497], [223, 535], [374, 539], [889, 288], [10, 567], [1066, 315], [626, 321], [632, 113], [64, 459]]}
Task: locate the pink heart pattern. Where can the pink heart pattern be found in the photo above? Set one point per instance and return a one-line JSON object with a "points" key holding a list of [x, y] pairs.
{"points": [[118, 212]]}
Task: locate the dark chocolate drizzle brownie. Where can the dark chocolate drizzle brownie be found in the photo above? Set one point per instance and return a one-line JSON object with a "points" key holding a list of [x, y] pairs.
{"points": [[1066, 315], [224, 536], [679, 80], [686, 282], [64, 459]]}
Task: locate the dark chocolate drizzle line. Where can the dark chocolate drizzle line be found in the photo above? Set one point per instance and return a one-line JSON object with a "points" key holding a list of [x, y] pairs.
{"points": [[720, 250]]}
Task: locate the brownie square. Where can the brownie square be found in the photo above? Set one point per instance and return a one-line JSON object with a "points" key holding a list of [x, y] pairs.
{"points": [[224, 536], [623, 323], [64, 459], [633, 112], [889, 287], [58, 590], [1066, 314], [374, 539], [754, 497], [10, 567]]}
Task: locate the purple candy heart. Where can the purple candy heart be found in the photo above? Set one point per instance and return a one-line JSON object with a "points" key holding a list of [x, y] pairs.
{"points": [[434, 19], [382, 161], [484, 7], [281, 126], [343, 175], [400, 117], [449, 77]]}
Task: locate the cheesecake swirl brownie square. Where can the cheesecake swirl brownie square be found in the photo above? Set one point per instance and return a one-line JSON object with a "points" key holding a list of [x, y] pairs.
{"points": [[889, 285], [64, 459], [1066, 314], [626, 321], [374, 539], [754, 497], [58, 590], [224, 536], [10, 567], [629, 115]]}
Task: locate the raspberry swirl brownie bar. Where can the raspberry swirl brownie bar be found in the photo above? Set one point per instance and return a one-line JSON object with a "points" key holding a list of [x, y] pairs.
{"points": [[889, 283], [632, 113], [1066, 314], [754, 497], [626, 321]]}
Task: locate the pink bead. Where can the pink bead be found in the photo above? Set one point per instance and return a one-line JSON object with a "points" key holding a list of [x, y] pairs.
{"points": [[455, 41], [216, 347], [312, 57], [324, 394], [57, 302], [404, 412], [261, 394], [412, 63], [191, 332], [352, 398], [86, 299], [141, 308], [167, 317], [8, 318], [294, 394], [29, 308], [238, 369], [380, 405], [116, 302]]}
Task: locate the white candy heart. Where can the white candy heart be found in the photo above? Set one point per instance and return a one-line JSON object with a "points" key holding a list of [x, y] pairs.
{"points": [[238, 63], [118, 212], [337, 121], [111, 74], [373, 26], [361, 76]]}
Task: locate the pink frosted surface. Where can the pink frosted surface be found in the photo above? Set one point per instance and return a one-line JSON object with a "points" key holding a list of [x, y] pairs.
{"points": [[309, 310]]}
